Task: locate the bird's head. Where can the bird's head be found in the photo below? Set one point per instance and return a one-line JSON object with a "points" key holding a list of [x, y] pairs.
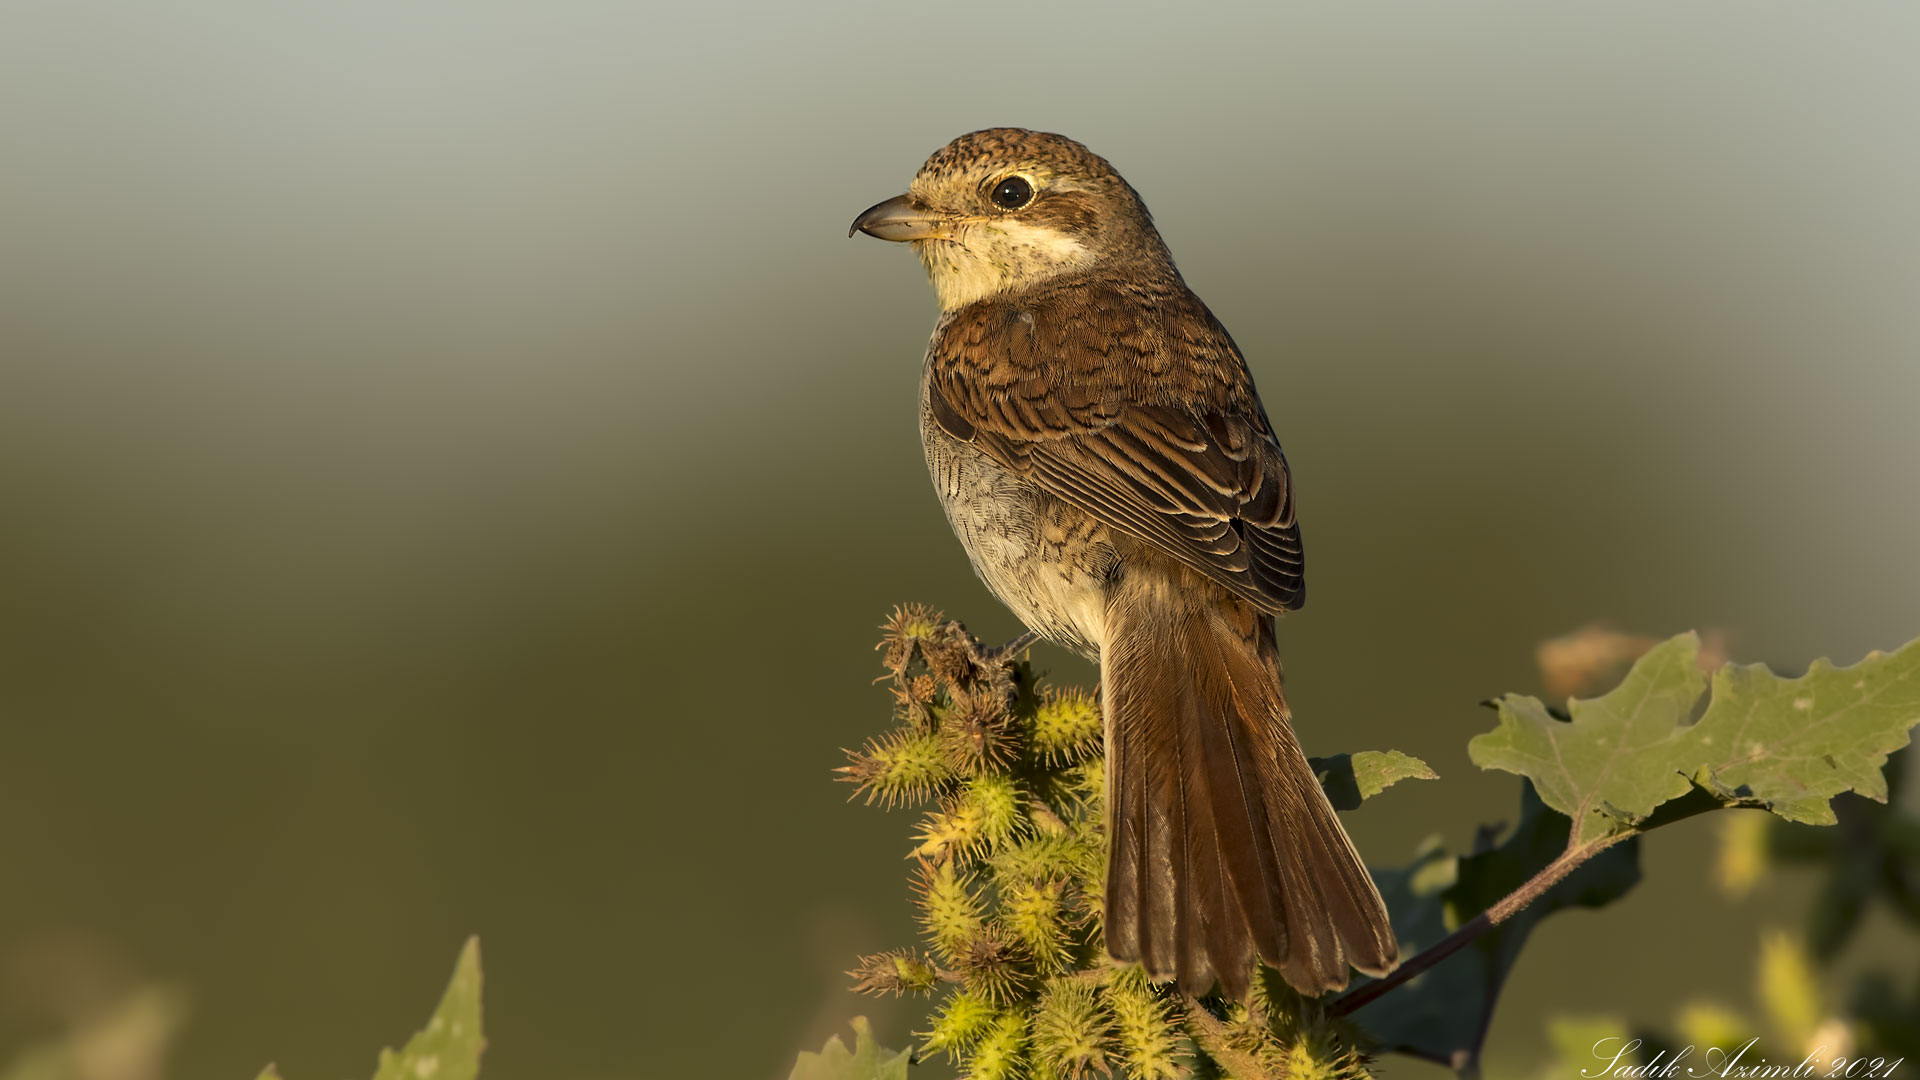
{"points": [[1004, 209]]}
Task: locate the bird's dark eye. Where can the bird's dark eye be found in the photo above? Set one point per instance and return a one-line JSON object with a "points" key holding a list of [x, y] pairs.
{"points": [[1012, 193]]}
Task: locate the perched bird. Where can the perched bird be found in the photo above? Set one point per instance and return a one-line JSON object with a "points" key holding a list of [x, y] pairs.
{"points": [[1097, 443]]}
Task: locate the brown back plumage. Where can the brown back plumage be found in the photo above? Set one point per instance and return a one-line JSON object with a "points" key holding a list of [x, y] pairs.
{"points": [[1128, 401]]}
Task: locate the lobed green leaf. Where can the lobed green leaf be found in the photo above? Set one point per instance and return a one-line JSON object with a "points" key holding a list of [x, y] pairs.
{"points": [[1788, 745], [866, 1061]]}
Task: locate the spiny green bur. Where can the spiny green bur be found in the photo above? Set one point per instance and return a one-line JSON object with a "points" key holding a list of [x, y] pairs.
{"points": [[1007, 874]]}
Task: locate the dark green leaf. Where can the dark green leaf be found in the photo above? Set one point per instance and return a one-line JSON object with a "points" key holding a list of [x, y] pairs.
{"points": [[1442, 1014]]}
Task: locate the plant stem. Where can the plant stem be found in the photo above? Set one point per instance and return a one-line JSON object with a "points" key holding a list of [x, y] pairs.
{"points": [[1510, 905]]}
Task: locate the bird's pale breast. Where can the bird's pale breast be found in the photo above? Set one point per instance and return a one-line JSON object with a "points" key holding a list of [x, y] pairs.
{"points": [[1049, 562]]}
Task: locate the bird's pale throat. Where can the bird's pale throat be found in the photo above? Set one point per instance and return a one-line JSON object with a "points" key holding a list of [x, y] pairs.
{"points": [[979, 259]]}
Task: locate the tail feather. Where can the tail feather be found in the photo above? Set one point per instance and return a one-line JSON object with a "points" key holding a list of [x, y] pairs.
{"points": [[1201, 938], [1222, 846]]}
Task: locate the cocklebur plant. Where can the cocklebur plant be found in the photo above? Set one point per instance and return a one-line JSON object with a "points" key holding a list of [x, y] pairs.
{"points": [[1009, 854], [1007, 884]]}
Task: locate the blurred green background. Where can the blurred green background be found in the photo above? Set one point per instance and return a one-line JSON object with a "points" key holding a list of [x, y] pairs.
{"points": [[452, 462]]}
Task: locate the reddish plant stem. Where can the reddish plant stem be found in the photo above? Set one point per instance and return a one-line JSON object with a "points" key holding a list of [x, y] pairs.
{"points": [[1534, 888]]}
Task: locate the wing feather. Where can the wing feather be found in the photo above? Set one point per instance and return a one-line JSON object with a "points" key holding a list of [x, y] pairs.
{"points": [[1133, 404]]}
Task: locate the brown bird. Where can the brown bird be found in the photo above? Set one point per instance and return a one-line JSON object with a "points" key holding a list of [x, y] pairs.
{"points": [[1095, 438]]}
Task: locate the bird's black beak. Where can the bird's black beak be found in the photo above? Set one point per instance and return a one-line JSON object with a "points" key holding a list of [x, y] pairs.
{"points": [[900, 218]]}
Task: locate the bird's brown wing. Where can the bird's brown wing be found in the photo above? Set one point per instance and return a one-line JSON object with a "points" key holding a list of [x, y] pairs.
{"points": [[1135, 406]]}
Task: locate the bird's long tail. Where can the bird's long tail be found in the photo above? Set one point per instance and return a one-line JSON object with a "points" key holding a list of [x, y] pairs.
{"points": [[1222, 847]]}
